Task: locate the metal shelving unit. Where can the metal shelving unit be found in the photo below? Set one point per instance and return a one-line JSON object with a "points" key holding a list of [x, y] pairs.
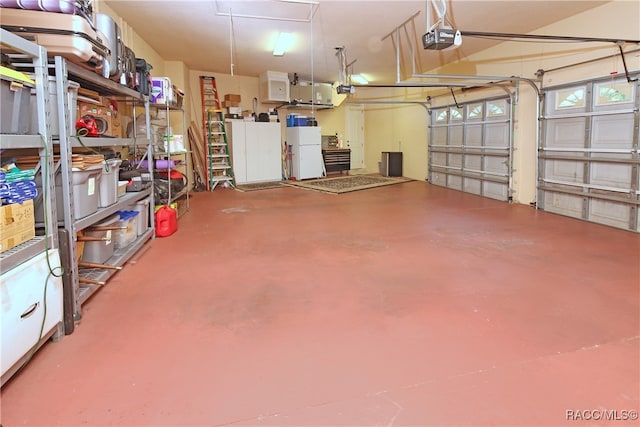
{"points": [[81, 292], [168, 154], [22, 260], [36, 63]]}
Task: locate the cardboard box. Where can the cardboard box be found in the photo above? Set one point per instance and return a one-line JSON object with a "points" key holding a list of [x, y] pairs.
{"points": [[226, 103], [232, 97], [17, 224], [116, 129], [100, 112], [234, 110], [178, 96]]}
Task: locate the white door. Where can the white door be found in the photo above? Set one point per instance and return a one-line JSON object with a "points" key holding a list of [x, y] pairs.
{"points": [[354, 129]]}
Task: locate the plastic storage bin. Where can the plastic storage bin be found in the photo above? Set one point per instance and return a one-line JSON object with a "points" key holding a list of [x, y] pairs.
{"points": [[108, 189], [100, 252], [142, 207], [85, 193], [122, 188], [15, 89], [72, 102], [129, 233]]}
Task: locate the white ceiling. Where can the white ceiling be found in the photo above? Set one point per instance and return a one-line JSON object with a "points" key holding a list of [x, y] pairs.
{"points": [[211, 35]]}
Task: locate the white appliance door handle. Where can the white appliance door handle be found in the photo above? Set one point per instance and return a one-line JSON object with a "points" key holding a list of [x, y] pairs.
{"points": [[29, 311]]}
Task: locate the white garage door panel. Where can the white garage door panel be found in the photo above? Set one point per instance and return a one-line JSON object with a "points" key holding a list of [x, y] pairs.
{"points": [[439, 179], [497, 135], [564, 171], [454, 182], [473, 186], [611, 175], [439, 159], [569, 133], [609, 213], [455, 135], [474, 135], [472, 162], [564, 204], [439, 136], [494, 190], [496, 165], [603, 182], [613, 132], [455, 160]]}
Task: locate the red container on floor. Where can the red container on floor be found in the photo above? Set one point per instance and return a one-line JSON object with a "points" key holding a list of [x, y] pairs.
{"points": [[166, 219]]}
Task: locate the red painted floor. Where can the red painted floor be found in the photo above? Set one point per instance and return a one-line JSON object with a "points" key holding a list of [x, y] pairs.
{"points": [[402, 305]]}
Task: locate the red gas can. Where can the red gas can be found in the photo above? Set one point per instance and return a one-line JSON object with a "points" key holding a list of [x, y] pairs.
{"points": [[166, 221]]}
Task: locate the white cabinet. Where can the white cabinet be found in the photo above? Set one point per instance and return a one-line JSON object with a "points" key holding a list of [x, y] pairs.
{"points": [[256, 151], [306, 151], [31, 299]]}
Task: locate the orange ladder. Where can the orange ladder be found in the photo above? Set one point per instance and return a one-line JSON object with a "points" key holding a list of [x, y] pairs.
{"points": [[219, 170]]}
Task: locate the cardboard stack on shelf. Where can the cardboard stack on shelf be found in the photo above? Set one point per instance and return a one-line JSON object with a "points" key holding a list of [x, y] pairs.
{"points": [[17, 224], [232, 105], [93, 109]]}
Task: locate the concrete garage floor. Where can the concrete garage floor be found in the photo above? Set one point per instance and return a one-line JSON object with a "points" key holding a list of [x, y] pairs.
{"points": [[402, 305]]}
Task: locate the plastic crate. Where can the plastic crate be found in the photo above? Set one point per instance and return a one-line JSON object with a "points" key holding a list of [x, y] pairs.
{"points": [[128, 220]]}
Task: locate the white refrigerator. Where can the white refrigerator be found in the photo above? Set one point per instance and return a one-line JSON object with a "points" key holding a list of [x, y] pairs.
{"points": [[306, 152]]}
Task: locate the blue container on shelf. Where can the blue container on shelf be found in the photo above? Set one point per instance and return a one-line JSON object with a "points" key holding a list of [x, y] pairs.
{"points": [[301, 121], [291, 120]]}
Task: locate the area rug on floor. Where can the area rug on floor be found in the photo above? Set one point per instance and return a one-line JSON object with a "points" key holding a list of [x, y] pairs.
{"points": [[345, 184], [259, 186]]}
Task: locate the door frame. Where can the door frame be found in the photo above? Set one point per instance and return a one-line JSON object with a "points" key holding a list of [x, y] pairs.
{"points": [[354, 133]]}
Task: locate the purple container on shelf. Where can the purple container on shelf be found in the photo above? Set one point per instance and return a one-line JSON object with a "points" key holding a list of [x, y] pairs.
{"points": [[12, 4], [59, 6], [165, 164]]}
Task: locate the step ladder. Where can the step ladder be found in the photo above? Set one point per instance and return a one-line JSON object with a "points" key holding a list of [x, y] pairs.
{"points": [[219, 169]]}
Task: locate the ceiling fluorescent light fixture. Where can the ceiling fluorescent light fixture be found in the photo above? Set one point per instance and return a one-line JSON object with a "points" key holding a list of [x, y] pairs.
{"points": [[284, 42], [359, 79]]}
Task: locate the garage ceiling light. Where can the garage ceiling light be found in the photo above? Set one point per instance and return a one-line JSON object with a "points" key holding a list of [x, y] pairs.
{"points": [[284, 42], [359, 79]]}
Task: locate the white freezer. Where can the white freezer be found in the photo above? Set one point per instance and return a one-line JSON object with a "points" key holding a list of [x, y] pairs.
{"points": [[22, 298], [306, 151]]}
